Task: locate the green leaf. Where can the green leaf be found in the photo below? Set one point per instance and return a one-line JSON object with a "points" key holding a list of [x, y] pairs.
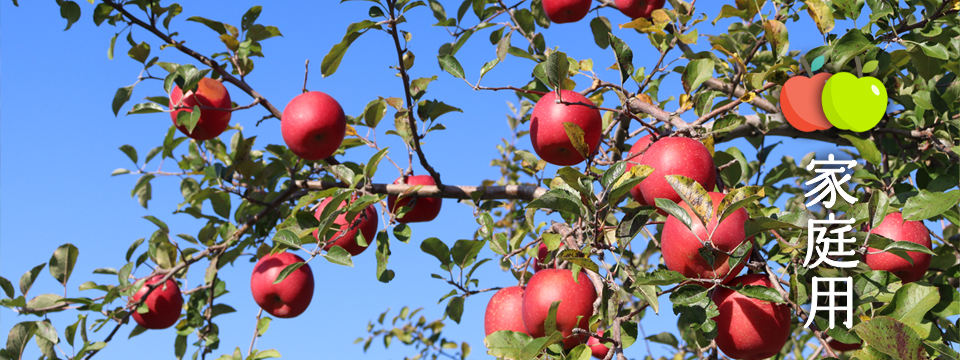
{"points": [[140, 53], [289, 269], [262, 325], [576, 136], [659, 277], [26, 281], [908, 246], [402, 232], [189, 119], [578, 258], [465, 252], [738, 198], [287, 237], [7, 287], [665, 338], [850, 45], [776, 34], [438, 249], [550, 323], [121, 97], [891, 337], [600, 27], [259, 32], [557, 199], [18, 337], [332, 60], [69, 10], [761, 293], [623, 55], [822, 15], [867, 148], [158, 223], [929, 204], [339, 256], [131, 153], [671, 208], [455, 308], [911, 302], [649, 293], [538, 345], [693, 195], [556, 68], [697, 72], [450, 64], [63, 261], [267, 354], [506, 344], [214, 25]]}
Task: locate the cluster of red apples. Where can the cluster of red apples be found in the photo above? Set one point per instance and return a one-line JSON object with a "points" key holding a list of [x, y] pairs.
{"points": [[313, 127]]}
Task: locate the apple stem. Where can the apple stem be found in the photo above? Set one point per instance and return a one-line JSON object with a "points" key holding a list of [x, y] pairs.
{"points": [[806, 65], [856, 60]]}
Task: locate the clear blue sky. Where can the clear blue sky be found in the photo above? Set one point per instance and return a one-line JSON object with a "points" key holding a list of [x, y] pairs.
{"points": [[59, 145]]}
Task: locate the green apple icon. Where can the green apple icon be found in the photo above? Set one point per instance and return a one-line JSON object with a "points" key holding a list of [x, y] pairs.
{"points": [[854, 104]]}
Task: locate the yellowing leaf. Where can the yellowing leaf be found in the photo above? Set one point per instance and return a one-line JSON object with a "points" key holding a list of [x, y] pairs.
{"points": [[821, 14], [645, 98], [644, 26], [586, 65], [351, 131], [686, 102], [709, 142], [748, 96]]}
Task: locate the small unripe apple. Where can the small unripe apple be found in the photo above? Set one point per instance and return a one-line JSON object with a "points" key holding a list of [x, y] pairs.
{"points": [[576, 300], [598, 349], [839, 346], [503, 311], [639, 147], [211, 94], [894, 228], [639, 8], [681, 248], [313, 125], [164, 304], [424, 208], [748, 328], [290, 297], [548, 135], [676, 156], [365, 222], [566, 11]]}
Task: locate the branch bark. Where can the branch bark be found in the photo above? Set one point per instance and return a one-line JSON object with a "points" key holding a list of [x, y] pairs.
{"points": [[463, 192]]}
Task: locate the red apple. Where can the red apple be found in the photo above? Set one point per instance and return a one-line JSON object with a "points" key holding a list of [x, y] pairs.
{"points": [[313, 125], [802, 104], [681, 249], [748, 328], [541, 257], [548, 135], [164, 304], [566, 11], [638, 8], [365, 222], [503, 311], [576, 300], [676, 156], [894, 228], [598, 349], [839, 346], [640, 146], [209, 93], [424, 208], [291, 296]]}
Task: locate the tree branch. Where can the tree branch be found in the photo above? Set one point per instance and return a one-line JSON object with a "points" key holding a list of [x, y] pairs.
{"points": [[521, 192]]}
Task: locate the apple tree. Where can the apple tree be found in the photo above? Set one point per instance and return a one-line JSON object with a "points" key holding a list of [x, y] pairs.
{"points": [[604, 178]]}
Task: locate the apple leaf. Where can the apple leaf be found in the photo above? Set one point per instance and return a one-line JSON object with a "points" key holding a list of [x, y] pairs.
{"points": [[661, 277], [911, 302], [63, 261], [817, 63], [907, 246], [740, 253], [18, 337], [576, 135], [69, 10], [694, 196], [849, 8], [738, 198], [383, 255], [672, 209], [550, 323], [600, 27], [464, 252], [760, 293], [557, 67], [648, 293], [578, 258], [26, 281], [822, 15], [455, 308], [929, 204], [214, 25], [189, 119], [626, 182], [332, 60], [624, 57], [776, 34], [450, 64], [121, 97], [287, 237], [289, 269], [891, 337], [697, 72], [339, 256], [538, 345], [557, 199], [506, 344], [438, 249]]}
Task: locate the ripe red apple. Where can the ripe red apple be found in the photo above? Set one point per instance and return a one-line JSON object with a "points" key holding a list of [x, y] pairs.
{"points": [[676, 156], [424, 209], [681, 249], [598, 349], [503, 311], [541, 257], [640, 146], [549, 138], [566, 11], [802, 104], [576, 299], [638, 8], [164, 304], [839, 346], [313, 125], [894, 228], [365, 222], [749, 328], [291, 296], [209, 93]]}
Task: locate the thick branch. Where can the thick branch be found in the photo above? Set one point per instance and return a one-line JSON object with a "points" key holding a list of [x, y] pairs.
{"points": [[521, 192]]}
